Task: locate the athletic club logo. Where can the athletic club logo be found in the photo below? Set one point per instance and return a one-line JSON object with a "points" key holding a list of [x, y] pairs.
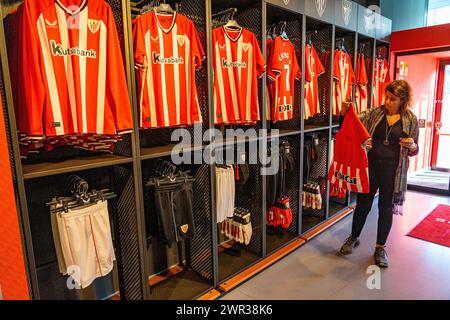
{"points": [[181, 39], [184, 228], [346, 10], [320, 6], [51, 24], [245, 46], [154, 39], [286, 2], [94, 25]]}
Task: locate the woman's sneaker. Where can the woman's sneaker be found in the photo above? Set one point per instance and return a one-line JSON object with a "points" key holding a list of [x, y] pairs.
{"points": [[349, 244], [381, 258]]}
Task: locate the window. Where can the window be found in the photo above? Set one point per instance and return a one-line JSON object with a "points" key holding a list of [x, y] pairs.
{"points": [[438, 12]]}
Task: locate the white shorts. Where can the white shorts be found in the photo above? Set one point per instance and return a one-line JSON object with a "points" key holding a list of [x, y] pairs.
{"points": [[83, 243], [225, 193]]}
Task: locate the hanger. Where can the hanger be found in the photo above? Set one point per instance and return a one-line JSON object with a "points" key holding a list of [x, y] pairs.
{"points": [[283, 31], [231, 23], [309, 35], [164, 8]]}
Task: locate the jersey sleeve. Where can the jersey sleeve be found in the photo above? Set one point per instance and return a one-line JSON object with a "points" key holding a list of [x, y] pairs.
{"points": [[319, 69], [258, 57], [116, 88], [296, 70], [307, 66], [352, 72], [197, 49], [139, 41], [363, 72], [358, 129], [274, 65], [29, 79], [388, 78]]}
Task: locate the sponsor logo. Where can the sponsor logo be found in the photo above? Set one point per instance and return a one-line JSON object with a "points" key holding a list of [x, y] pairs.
{"points": [[347, 10], [284, 107], [223, 47], [157, 58], [94, 25], [283, 55], [154, 39], [321, 6], [59, 50], [348, 179], [181, 39], [232, 64]]}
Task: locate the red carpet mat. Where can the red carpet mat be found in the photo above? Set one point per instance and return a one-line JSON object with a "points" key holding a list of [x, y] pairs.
{"points": [[435, 227]]}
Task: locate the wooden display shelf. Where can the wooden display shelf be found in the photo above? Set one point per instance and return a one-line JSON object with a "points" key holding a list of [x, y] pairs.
{"points": [[43, 169], [156, 279], [164, 151], [260, 266]]}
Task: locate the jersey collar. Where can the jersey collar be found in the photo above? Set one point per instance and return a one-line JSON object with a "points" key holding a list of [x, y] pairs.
{"points": [[231, 38], [160, 26], [72, 13]]}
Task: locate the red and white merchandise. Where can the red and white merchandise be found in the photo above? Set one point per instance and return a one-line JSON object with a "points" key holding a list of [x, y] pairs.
{"points": [[167, 53], [344, 78], [70, 72], [237, 62], [314, 69], [361, 90], [381, 78], [283, 70], [349, 169]]}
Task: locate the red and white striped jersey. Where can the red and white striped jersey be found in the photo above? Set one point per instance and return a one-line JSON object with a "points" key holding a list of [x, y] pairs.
{"points": [[167, 53], [72, 79], [283, 70], [314, 69], [238, 62], [381, 75], [270, 84], [350, 167], [344, 77], [361, 94]]}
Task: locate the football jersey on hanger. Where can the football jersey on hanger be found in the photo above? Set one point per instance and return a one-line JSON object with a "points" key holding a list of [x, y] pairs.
{"points": [[350, 167], [73, 79], [344, 78], [167, 53], [361, 92], [238, 62], [270, 85], [283, 70], [381, 75], [314, 69]]}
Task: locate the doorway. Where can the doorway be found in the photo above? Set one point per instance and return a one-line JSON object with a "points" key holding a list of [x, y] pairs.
{"points": [[428, 73]]}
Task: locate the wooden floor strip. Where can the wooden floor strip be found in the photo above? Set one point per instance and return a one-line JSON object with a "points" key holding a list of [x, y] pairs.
{"points": [[210, 295], [324, 226]]}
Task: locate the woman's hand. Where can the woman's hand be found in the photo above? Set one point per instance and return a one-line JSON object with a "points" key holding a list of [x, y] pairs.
{"points": [[344, 107], [408, 143]]}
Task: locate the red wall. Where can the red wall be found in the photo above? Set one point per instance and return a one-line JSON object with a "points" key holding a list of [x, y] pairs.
{"points": [[421, 38], [13, 277], [422, 76]]}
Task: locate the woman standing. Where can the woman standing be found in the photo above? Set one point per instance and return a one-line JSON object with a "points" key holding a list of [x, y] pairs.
{"points": [[394, 130]]}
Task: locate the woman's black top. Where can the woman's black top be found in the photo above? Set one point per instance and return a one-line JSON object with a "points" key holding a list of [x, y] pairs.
{"points": [[379, 149]]}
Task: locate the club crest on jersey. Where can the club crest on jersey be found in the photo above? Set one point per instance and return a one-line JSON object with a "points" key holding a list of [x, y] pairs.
{"points": [[181, 39], [347, 10], [94, 25], [51, 24], [184, 228], [320, 6], [59, 50], [223, 47], [232, 64], [158, 58], [245, 46], [345, 178]]}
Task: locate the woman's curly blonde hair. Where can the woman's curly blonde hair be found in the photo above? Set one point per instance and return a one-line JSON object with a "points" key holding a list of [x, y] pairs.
{"points": [[403, 90]]}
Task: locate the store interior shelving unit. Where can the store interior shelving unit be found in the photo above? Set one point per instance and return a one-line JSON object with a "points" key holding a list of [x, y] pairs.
{"points": [[145, 269]]}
